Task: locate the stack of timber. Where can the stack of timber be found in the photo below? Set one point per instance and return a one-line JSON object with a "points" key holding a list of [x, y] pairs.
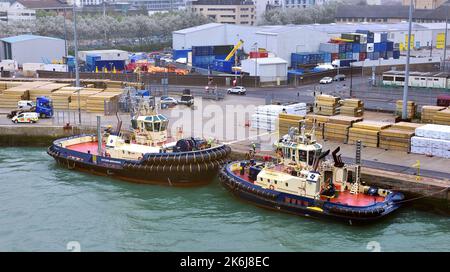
{"points": [[398, 136], [114, 84], [410, 110], [84, 95], [8, 84], [62, 97], [327, 105], [352, 107], [45, 90], [12, 95], [432, 140], [336, 129], [287, 121], [442, 117], [318, 122], [428, 113], [367, 132], [99, 102]]}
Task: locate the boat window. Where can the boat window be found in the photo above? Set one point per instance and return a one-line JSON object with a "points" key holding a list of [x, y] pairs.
{"points": [[302, 155], [276, 182], [149, 126], [261, 179], [311, 157], [157, 126], [287, 184], [164, 125]]}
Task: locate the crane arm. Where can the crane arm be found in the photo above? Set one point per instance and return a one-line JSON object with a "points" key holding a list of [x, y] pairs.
{"points": [[235, 48]]}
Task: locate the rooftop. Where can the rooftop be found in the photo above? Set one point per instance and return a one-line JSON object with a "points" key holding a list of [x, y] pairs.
{"points": [[44, 4], [198, 28], [27, 37]]}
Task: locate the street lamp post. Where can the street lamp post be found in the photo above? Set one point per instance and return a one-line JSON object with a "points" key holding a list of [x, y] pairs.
{"points": [[406, 82], [445, 38], [77, 71], [256, 64]]}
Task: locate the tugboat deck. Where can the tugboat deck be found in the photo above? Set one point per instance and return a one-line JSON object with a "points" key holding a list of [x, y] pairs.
{"points": [[345, 198], [85, 147]]}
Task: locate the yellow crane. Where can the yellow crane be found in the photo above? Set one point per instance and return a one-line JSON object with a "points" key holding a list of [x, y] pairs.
{"points": [[235, 48]]}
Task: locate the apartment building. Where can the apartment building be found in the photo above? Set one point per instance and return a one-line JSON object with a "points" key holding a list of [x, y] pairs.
{"points": [[240, 12], [16, 12]]}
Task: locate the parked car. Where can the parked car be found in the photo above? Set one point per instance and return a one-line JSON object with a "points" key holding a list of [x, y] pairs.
{"points": [[26, 117], [326, 80], [339, 77], [170, 101], [237, 90]]}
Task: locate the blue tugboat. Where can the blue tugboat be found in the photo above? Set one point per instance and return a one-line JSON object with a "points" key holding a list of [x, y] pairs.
{"points": [[302, 182]]}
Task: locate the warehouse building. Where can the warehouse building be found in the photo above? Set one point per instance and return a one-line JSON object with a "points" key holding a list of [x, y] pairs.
{"points": [[32, 49], [279, 40]]}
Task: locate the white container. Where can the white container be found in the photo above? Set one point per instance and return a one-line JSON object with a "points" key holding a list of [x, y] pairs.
{"points": [[370, 48]]}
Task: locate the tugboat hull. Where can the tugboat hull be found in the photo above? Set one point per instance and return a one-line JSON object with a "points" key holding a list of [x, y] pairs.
{"points": [[304, 206], [172, 169]]}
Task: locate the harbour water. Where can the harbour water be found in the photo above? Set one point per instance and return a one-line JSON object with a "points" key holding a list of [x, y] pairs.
{"points": [[44, 207]]}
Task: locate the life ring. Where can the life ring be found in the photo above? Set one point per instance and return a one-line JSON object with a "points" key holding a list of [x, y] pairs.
{"points": [[271, 187]]}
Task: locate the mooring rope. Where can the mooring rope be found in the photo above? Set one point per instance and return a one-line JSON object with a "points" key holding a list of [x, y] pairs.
{"points": [[424, 196]]}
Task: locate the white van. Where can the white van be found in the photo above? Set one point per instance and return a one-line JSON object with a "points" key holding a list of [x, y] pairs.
{"points": [[26, 117], [25, 104]]}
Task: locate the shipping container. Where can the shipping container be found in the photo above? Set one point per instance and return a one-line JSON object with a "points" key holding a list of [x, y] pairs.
{"points": [[370, 56], [334, 56], [349, 55], [376, 55], [254, 55], [389, 54], [342, 48], [356, 47], [363, 48], [342, 56], [348, 47], [370, 47], [362, 56], [178, 54], [355, 56], [389, 46], [370, 35], [223, 66]]}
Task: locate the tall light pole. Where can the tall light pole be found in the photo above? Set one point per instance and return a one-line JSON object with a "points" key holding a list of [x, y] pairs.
{"points": [[445, 37], [406, 82], [65, 39], [77, 72], [256, 64]]}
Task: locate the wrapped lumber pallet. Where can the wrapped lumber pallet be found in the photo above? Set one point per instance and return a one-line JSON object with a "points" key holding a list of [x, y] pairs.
{"points": [[367, 132], [84, 95], [62, 97], [428, 113], [352, 107], [98, 102], [432, 140], [286, 121], [336, 129], [442, 117], [266, 116], [411, 108], [45, 90], [326, 105], [114, 84]]}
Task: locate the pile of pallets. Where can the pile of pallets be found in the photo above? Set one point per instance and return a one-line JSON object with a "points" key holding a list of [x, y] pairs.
{"points": [[442, 117], [85, 93], [352, 107], [336, 129], [367, 132], [99, 102], [410, 110], [62, 97], [287, 121], [428, 113], [318, 121], [398, 136], [327, 105]]}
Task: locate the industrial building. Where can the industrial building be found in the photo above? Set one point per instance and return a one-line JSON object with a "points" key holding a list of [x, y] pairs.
{"points": [[284, 40], [268, 69], [32, 48]]}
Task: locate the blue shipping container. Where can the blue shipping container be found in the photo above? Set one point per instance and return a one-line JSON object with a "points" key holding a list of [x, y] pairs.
{"points": [[177, 54], [342, 48], [348, 47], [389, 46], [384, 37], [349, 55], [356, 48]]}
